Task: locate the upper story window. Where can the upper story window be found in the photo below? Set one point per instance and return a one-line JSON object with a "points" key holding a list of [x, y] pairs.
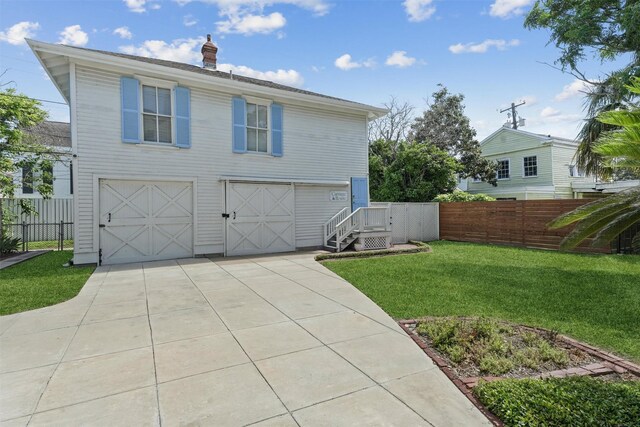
{"points": [[156, 114], [27, 180], [574, 171], [477, 179], [503, 170], [257, 128], [530, 166]]}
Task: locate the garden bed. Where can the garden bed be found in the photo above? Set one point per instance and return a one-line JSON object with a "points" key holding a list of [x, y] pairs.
{"points": [[474, 347], [516, 374]]}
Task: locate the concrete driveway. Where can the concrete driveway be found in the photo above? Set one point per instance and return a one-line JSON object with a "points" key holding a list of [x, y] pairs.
{"points": [[270, 341]]}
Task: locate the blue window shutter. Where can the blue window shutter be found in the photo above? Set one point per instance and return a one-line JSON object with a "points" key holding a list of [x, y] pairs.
{"points": [[239, 125], [183, 117], [130, 91], [276, 130]]}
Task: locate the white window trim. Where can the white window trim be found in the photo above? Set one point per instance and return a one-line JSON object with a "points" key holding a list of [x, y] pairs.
{"points": [[509, 163], [524, 175], [577, 169], [266, 103], [164, 84]]}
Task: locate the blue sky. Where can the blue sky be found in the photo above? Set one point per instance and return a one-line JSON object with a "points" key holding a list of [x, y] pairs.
{"points": [[363, 50]]}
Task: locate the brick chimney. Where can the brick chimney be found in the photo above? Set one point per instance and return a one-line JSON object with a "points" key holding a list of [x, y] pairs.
{"points": [[209, 51]]}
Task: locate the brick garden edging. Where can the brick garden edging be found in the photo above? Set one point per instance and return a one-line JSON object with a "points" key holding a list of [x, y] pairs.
{"points": [[610, 364], [444, 367]]}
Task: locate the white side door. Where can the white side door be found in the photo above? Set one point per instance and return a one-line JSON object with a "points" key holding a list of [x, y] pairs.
{"points": [[261, 218], [145, 220]]}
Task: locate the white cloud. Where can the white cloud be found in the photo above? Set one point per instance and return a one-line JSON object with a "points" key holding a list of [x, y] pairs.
{"points": [[547, 112], [483, 47], [141, 6], [226, 7], [74, 36], [508, 8], [346, 63], [400, 59], [180, 50], [137, 6], [419, 10], [123, 32], [285, 77], [16, 34], [188, 51], [247, 16], [572, 90], [251, 24], [189, 21]]}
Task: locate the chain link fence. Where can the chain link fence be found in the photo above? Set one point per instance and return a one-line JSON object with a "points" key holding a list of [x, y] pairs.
{"points": [[42, 235]]}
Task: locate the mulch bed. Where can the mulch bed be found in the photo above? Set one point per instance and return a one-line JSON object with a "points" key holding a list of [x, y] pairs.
{"points": [[584, 359]]}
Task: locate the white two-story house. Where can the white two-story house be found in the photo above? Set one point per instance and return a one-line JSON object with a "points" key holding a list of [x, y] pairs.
{"points": [[532, 166], [56, 136], [175, 160]]}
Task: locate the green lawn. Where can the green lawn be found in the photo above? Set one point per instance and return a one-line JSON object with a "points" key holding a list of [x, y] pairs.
{"points": [[594, 298], [39, 282], [49, 244]]}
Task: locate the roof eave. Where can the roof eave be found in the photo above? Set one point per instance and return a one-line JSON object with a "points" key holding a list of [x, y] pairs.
{"points": [[232, 86]]}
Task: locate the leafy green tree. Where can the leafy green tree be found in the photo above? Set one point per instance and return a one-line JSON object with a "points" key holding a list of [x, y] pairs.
{"points": [[418, 173], [19, 149], [445, 125], [610, 29], [608, 217], [462, 196]]}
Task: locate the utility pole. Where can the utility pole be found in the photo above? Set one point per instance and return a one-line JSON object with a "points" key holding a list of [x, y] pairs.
{"points": [[513, 114]]}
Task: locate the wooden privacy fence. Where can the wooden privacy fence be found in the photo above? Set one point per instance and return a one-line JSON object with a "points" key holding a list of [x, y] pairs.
{"points": [[517, 223], [412, 221]]}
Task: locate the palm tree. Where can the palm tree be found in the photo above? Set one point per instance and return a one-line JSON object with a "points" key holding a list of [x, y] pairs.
{"points": [[619, 148], [609, 94]]}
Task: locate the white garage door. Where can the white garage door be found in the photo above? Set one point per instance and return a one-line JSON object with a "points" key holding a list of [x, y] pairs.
{"points": [[261, 218], [145, 220]]}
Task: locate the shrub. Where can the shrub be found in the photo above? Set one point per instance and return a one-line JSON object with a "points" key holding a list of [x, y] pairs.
{"points": [[574, 401], [462, 196], [9, 244]]}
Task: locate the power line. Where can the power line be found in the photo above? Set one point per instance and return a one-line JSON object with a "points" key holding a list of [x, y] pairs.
{"points": [[33, 99]]}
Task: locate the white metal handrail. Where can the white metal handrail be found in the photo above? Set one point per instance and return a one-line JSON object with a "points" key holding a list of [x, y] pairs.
{"points": [[363, 219], [330, 226]]}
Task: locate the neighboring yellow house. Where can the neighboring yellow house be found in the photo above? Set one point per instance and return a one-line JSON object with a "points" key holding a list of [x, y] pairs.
{"points": [[533, 166]]}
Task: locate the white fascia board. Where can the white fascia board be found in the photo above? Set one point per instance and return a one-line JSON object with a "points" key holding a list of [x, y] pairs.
{"points": [[46, 70], [232, 178], [201, 80], [518, 131]]}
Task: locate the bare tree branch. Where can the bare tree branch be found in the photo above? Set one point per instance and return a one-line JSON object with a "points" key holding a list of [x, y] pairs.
{"points": [[395, 125]]}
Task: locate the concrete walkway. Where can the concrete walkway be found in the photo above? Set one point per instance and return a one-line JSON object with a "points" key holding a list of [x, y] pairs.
{"points": [[271, 341]]}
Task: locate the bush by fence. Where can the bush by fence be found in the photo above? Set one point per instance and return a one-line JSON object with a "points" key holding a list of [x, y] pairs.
{"points": [[516, 223]]}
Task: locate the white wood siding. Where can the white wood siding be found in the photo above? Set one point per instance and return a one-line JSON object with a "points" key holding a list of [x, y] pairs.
{"points": [[318, 145], [313, 209]]}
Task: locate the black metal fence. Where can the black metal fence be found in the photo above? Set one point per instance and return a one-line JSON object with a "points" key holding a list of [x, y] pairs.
{"points": [[43, 235], [623, 243]]}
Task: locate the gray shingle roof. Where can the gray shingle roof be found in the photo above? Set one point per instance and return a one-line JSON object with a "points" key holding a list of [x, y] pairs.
{"points": [[53, 134], [214, 73]]}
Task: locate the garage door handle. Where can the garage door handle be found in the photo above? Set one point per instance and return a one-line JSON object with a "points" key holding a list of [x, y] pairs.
{"points": [[234, 215]]}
